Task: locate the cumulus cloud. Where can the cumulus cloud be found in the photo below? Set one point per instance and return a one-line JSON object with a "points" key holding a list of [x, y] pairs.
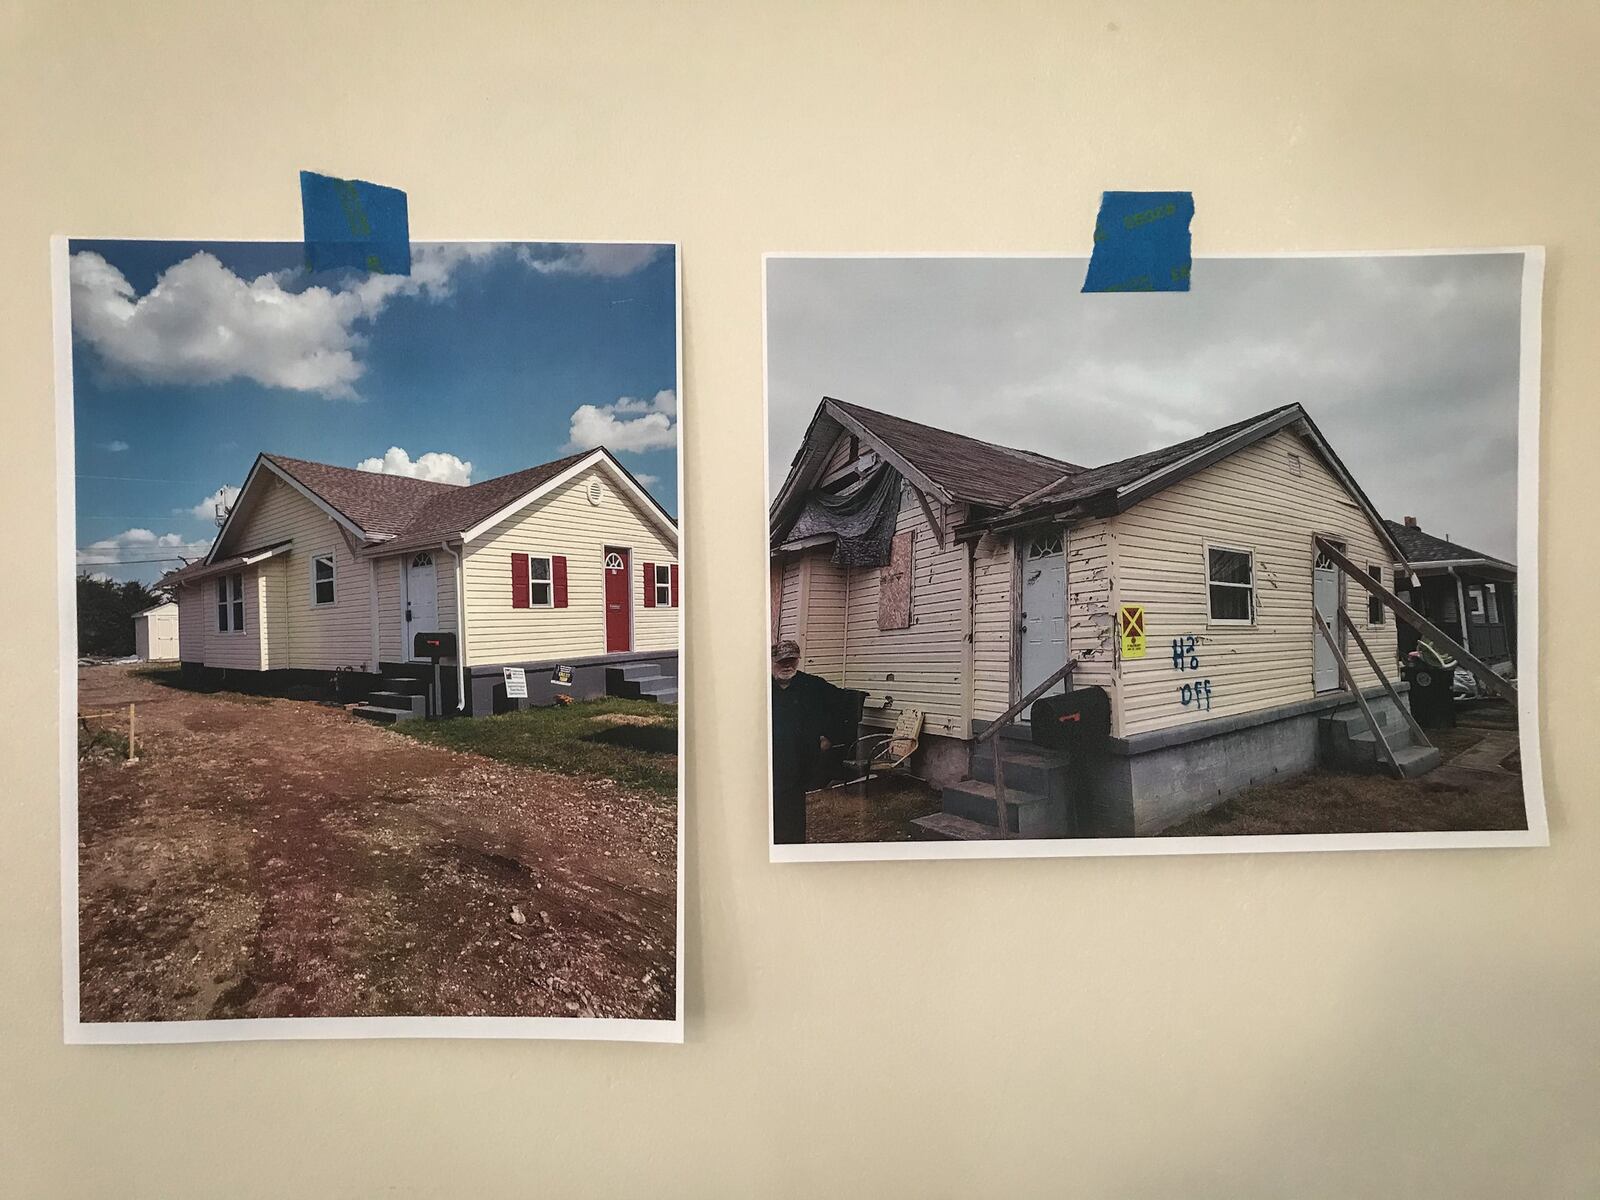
{"points": [[611, 261], [114, 447], [200, 323], [435, 466], [646, 480], [143, 544], [628, 424], [206, 510]]}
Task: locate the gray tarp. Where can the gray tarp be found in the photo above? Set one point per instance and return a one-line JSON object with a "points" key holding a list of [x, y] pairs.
{"points": [[862, 516]]}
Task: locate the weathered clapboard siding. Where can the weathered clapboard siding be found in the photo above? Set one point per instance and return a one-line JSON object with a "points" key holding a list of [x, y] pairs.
{"points": [[992, 575], [822, 626], [1091, 607], [561, 522], [925, 660], [1252, 500], [787, 627], [303, 635]]}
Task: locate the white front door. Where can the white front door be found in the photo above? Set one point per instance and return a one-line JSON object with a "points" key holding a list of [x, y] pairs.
{"points": [[421, 599], [1325, 596], [1044, 611]]}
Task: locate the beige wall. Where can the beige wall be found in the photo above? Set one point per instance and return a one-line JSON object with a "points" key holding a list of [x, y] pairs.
{"points": [[1415, 1024], [564, 522], [200, 639], [994, 618], [1252, 500]]}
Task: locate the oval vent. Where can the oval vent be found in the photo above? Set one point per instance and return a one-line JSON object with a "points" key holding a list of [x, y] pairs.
{"points": [[596, 492]]}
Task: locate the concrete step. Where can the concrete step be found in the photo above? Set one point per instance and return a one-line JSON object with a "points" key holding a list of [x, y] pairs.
{"points": [[655, 685], [638, 671], [1354, 721], [384, 716], [1028, 814], [405, 701], [666, 695], [946, 827], [405, 685], [1027, 768], [1417, 760]]}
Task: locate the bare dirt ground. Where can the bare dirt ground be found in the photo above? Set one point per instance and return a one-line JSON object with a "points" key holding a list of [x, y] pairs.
{"points": [[840, 815], [271, 857]]}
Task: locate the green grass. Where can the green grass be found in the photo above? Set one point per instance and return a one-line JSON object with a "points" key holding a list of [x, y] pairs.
{"points": [[575, 739]]}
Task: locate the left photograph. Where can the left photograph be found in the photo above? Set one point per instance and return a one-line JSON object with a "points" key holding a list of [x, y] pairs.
{"points": [[372, 614]]}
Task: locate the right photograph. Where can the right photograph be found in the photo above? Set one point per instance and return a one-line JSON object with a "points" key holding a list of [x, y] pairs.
{"points": [[1249, 567]]}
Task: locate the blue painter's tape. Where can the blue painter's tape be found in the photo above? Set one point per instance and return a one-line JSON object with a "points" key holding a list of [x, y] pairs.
{"points": [[1141, 243], [351, 223]]}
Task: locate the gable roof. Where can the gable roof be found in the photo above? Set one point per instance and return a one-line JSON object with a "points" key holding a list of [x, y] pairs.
{"points": [[457, 509], [1422, 548], [965, 468], [378, 505]]}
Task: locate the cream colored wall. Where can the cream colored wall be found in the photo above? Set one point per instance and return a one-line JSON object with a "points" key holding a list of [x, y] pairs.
{"points": [[820, 613], [239, 650], [1415, 1024], [564, 522], [993, 578], [300, 634], [1252, 501], [1091, 610]]}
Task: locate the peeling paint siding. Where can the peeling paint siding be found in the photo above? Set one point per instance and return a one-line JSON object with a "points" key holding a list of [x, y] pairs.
{"points": [[311, 637], [925, 659], [823, 638], [991, 630], [1252, 500], [1091, 606], [562, 522]]}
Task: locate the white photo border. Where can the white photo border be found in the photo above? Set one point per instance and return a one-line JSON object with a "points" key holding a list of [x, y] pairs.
{"points": [[1528, 448], [76, 1031]]}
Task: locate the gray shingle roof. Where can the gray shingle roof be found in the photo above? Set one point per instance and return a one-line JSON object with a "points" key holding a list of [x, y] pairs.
{"points": [[379, 505], [969, 469], [1422, 547]]}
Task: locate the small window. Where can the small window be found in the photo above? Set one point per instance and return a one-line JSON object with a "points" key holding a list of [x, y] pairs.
{"points": [[540, 588], [322, 579], [230, 603], [1475, 601], [663, 585], [1230, 579], [1374, 605]]}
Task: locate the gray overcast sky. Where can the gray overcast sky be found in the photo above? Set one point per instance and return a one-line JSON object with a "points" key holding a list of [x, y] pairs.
{"points": [[1407, 364]]}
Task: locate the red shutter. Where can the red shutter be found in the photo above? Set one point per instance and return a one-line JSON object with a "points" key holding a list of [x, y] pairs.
{"points": [[519, 581], [558, 577], [649, 585], [674, 585]]}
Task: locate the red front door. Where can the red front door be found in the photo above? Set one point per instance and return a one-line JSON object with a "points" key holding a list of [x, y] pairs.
{"points": [[619, 600]]}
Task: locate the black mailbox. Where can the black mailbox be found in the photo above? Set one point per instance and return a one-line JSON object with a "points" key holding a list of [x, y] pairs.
{"points": [[433, 646], [1079, 722]]}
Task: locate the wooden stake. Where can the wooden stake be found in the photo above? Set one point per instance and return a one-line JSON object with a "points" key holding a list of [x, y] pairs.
{"points": [[132, 727]]}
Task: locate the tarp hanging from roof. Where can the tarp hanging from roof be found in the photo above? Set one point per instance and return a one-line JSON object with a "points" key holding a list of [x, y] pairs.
{"points": [[861, 516]]}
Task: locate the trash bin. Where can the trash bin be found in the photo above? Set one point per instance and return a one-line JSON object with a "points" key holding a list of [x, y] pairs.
{"points": [[1431, 702]]}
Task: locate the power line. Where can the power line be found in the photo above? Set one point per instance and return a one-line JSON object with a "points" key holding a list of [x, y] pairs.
{"points": [[128, 562]]}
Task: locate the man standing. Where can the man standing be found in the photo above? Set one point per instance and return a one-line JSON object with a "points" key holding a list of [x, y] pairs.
{"points": [[807, 711]]}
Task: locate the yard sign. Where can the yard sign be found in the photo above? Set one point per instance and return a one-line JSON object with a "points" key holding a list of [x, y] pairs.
{"points": [[1130, 627], [516, 683]]}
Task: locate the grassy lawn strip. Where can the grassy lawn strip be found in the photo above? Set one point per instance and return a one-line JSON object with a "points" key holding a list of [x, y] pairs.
{"points": [[633, 742]]}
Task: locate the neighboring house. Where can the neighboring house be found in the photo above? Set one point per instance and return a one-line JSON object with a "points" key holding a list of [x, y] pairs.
{"points": [[155, 633], [321, 569], [1452, 580], [996, 564]]}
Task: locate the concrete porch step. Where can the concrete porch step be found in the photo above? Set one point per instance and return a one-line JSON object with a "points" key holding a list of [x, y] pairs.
{"points": [[412, 702], [1028, 768], [405, 685], [665, 695], [1417, 760], [385, 716], [637, 671], [946, 827], [1028, 814]]}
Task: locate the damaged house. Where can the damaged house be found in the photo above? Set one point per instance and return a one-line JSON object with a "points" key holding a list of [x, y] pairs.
{"points": [[939, 573]]}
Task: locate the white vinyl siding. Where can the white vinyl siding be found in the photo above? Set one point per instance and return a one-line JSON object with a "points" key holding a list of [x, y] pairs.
{"points": [[1091, 606], [788, 622], [562, 522], [1254, 499], [819, 626], [992, 578]]}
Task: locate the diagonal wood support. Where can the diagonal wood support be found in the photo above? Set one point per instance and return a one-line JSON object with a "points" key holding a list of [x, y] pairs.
{"points": [[1350, 685], [1405, 709], [1503, 688], [991, 733]]}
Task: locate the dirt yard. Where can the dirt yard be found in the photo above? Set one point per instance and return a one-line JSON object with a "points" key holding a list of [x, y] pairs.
{"points": [[272, 857]]}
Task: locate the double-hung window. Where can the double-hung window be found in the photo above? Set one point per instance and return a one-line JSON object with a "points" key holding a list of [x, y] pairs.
{"points": [[1230, 585], [663, 585], [541, 592], [322, 579], [230, 603]]}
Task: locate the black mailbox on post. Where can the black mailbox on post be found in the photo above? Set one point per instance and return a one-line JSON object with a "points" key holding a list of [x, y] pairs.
{"points": [[1078, 722], [433, 646]]}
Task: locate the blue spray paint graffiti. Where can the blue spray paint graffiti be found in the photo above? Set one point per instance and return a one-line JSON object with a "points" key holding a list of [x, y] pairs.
{"points": [[1185, 658]]}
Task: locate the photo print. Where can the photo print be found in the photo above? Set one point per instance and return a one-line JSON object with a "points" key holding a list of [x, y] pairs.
{"points": [[1250, 567], [372, 618]]}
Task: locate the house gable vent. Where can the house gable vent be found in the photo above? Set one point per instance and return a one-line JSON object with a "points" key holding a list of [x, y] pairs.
{"points": [[596, 492]]}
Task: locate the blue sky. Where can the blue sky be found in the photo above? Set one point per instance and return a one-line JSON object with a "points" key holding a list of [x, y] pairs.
{"points": [[189, 358]]}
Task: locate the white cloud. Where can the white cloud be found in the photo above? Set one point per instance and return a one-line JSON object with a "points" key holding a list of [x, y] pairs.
{"points": [[628, 424], [200, 323], [611, 261], [133, 544], [206, 510], [434, 465], [646, 480], [114, 447]]}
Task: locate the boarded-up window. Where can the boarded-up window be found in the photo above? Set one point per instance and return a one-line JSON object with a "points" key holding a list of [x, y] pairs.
{"points": [[894, 585]]}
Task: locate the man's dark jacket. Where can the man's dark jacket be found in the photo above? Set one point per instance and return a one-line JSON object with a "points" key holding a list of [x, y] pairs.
{"points": [[808, 709]]}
